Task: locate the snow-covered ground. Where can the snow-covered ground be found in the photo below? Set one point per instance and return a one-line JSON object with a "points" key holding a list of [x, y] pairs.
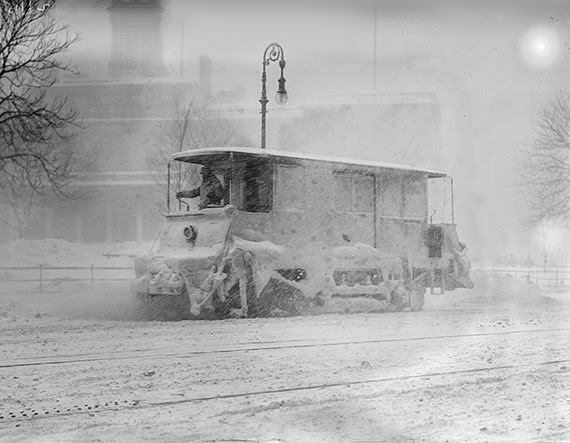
{"points": [[488, 364]]}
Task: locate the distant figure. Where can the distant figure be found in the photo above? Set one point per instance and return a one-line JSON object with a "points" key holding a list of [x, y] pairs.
{"points": [[210, 191]]}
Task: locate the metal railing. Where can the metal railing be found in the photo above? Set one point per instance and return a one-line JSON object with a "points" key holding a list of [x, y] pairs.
{"points": [[544, 276], [36, 279]]}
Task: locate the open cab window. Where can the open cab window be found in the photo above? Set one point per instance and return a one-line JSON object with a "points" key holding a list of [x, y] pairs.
{"points": [[248, 185], [188, 178]]}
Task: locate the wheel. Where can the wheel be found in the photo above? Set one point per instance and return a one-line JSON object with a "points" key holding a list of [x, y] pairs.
{"points": [[417, 299]]}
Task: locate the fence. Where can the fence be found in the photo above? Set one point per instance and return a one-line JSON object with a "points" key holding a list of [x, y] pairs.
{"points": [[31, 279], [34, 279], [547, 276]]}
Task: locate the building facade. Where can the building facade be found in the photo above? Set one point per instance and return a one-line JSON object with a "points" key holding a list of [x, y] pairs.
{"points": [[127, 99]]}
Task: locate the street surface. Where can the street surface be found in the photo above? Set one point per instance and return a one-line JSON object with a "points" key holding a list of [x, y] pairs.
{"points": [[491, 364]]}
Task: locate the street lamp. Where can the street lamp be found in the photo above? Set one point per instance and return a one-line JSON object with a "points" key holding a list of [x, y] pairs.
{"points": [[272, 53]]}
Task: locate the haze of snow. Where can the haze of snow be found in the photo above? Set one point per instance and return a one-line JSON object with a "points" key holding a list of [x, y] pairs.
{"points": [[113, 301]]}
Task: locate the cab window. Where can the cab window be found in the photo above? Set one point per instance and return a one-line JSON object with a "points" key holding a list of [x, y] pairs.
{"points": [[254, 183]]}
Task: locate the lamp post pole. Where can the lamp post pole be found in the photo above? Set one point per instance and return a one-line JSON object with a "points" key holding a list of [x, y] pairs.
{"points": [[273, 52]]}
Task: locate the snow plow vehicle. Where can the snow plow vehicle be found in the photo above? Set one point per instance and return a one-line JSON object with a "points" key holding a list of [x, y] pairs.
{"points": [[275, 233]]}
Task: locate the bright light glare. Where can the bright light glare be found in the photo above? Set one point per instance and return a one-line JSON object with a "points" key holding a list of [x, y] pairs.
{"points": [[540, 47], [554, 237], [550, 235]]}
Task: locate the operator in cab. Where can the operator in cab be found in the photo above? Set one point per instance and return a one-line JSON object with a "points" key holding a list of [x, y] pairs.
{"points": [[210, 191]]}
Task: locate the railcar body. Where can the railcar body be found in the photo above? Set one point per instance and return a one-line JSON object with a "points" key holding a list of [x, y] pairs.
{"points": [[299, 234]]}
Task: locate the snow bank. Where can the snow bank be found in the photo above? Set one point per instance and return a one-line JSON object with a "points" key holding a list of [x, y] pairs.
{"points": [[62, 295], [505, 288], [493, 289], [105, 302]]}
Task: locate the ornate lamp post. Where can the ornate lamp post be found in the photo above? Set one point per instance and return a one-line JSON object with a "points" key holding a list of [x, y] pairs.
{"points": [[273, 53]]}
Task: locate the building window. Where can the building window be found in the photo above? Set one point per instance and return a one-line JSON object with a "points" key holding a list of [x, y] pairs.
{"points": [[354, 192]]}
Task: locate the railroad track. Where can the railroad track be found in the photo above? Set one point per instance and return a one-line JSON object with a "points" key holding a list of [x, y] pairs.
{"points": [[140, 354], [30, 414]]}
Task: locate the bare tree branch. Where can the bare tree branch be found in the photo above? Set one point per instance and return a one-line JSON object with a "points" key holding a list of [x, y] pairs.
{"points": [[32, 124], [36, 150], [545, 166], [192, 128]]}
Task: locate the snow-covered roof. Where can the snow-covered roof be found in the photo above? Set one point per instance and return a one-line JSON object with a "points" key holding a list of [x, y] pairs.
{"points": [[204, 155]]}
